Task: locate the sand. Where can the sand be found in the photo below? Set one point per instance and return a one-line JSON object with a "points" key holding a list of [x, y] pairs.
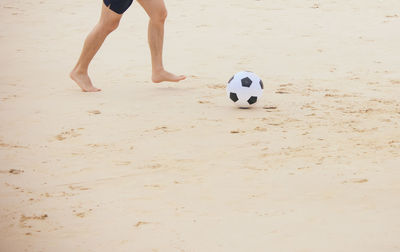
{"points": [[176, 167]]}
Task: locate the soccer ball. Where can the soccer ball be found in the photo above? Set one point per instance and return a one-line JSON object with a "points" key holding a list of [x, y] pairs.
{"points": [[244, 89]]}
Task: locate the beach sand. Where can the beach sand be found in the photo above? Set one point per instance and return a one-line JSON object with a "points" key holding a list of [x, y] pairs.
{"points": [[176, 167]]}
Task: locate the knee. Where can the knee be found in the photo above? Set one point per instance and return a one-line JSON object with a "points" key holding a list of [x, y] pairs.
{"points": [[109, 26], [159, 17]]}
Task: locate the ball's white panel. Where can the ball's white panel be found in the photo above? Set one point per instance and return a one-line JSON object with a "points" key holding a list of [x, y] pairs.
{"points": [[244, 85]]}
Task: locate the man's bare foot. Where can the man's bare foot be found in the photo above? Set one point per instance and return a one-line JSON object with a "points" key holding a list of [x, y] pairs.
{"points": [[83, 81], [163, 75]]}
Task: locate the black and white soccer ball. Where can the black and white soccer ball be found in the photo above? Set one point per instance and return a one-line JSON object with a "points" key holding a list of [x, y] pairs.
{"points": [[245, 89]]}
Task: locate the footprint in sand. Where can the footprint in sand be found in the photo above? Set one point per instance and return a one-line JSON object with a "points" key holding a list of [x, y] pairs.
{"points": [[203, 102], [165, 129], [356, 181], [82, 214], [12, 171], [94, 112], [2, 144], [282, 91], [122, 162], [270, 108], [68, 134], [237, 131], [395, 144], [81, 188], [26, 221], [15, 171], [140, 223], [285, 88], [260, 129]]}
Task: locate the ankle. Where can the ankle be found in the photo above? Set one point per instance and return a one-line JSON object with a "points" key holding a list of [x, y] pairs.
{"points": [[158, 69], [79, 70]]}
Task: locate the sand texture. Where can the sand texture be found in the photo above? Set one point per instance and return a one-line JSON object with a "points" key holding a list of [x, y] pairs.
{"points": [[139, 167]]}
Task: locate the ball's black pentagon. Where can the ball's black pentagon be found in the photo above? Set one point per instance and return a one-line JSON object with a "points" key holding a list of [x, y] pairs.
{"points": [[261, 84], [246, 82], [252, 100], [233, 97], [231, 79]]}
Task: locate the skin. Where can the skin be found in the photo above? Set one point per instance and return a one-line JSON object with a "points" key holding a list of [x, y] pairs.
{"points": [[108, 22]]}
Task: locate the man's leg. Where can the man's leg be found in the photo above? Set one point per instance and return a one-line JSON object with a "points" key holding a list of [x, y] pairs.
{"points": [[157, 12], [108, 22]]}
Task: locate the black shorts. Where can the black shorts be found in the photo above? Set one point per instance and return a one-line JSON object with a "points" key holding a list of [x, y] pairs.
{"points": [[118, 6]]}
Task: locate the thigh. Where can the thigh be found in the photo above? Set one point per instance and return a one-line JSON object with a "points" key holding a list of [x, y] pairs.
{"points": [[154, 8], [108, 16], [118, 6]]}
